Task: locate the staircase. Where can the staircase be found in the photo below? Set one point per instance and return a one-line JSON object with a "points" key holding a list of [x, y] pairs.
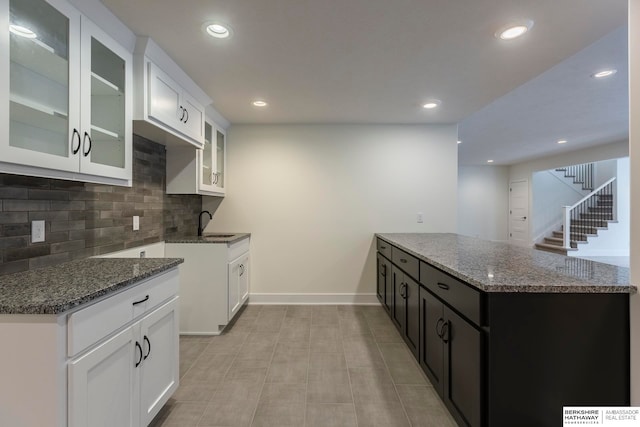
{"points": [[580, 174], [590, 215]]}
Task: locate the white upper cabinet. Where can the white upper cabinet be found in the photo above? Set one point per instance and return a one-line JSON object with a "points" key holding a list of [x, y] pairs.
{"points": [[199, 171], [169, 107], [68, 86]]}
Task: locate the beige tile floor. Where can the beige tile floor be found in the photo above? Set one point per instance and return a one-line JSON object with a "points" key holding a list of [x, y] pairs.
{"points": [[314, 366]]}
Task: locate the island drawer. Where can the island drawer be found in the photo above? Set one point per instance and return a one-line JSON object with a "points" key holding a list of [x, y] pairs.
{"points": [[408, 263], [455, 293], [384, 248], [97, 321]]}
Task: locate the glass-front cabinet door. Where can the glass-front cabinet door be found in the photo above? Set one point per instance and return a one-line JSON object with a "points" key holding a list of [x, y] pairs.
{"points": [[206, 163], [106, 105], [66, 86], [42, 40], [221, 146]]}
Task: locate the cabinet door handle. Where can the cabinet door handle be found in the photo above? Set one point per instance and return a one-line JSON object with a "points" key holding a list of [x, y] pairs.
{"points": [[403, 290], [187, 118], [443, 286], [141, 301], [383, 247], [402, 260], [241, 269], [182, 116], [445, 330], [439, 323], [384, 270], [86, 136], [73, 137], [148, 346], [139, 347]]}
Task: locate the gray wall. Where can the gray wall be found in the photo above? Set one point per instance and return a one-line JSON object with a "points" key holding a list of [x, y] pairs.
{"points": [[83, 220]]}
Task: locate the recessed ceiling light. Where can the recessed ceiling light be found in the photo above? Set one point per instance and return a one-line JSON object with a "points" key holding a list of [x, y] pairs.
{"points": [[431, 104], [489, 161], [459, 142], [604, 73], [218, 31], [514, 30], [259, 103], [562, 141], [21, 31]]}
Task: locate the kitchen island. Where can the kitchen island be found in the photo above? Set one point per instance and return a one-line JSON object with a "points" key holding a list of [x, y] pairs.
{"points": [[89, 342], [508, 335]]}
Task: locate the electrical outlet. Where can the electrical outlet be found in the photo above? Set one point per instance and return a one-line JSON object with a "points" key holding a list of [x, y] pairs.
{"points": [[37, 231], [420, 218], [136, 223], [143, 254]]}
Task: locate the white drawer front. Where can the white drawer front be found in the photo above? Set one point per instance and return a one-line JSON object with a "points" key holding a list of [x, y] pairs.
{"points": [[238, 248], [97, 321]]}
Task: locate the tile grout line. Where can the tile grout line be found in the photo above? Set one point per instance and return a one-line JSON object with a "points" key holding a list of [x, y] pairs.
{"points": [[346, 364], [395, 388], [275, 346], [225, 374]]}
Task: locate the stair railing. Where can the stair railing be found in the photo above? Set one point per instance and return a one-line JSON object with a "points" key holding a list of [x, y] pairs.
{"points": [[588, 205], [580, 173]]}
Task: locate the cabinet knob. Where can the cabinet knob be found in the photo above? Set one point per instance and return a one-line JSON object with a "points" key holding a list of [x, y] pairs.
{"points": [[402, 260], [445, 332], [439, 323]]}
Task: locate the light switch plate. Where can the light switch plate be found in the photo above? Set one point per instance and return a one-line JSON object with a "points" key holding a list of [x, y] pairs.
{"points": [[420, 218], [136, 223], [37, 231]]}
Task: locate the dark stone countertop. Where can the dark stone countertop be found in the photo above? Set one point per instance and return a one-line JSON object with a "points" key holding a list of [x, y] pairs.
{"points": [[56, 289], [210, 238], [501, 267]]}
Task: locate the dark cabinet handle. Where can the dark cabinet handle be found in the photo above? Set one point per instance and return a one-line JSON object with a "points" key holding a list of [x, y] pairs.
{"points": [[86, 136], [141, 301], [402, 260], [241, 269], [384, 270], [182, 116], [443, 286], [139, 347], [406, 291], [187, 112], [75, 133], [403, 290], [439, 323], [148, 346], [383, 247], [445, 330]]}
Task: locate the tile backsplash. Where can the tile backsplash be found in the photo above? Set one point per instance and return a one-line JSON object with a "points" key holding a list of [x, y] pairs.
{"points": [[82, 219]]}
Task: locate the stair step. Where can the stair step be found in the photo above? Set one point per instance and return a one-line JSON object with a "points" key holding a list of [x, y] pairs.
{"points": [[606, 209], [553, 248], [577, 237], [600, 216], [589, 223], [559, 241]]}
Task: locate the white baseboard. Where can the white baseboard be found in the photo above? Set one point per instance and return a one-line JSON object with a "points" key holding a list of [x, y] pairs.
{"points": [[320, 299]]}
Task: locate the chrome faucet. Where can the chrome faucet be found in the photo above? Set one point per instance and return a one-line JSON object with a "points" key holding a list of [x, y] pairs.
{"points": [[200, 221]]}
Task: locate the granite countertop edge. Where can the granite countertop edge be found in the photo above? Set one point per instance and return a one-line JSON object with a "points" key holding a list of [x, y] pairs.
{"points": [[584, 287], [57, 296], [212, 238]]}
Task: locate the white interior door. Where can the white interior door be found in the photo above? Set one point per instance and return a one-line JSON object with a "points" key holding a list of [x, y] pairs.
{"points": [[519, 212]]}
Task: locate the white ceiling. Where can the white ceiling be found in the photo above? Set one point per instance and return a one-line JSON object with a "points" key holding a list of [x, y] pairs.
{"points": [[372, 61]]}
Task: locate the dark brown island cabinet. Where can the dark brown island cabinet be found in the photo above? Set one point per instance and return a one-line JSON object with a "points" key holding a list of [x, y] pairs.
{"points": [[507, 359]]}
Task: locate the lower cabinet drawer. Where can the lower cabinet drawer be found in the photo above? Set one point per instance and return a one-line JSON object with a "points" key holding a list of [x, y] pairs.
{"points": [[457, 294], [384, 248], [407, 263], [94, 323]]}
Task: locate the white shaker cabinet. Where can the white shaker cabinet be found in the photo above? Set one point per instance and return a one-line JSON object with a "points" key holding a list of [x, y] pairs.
{"points": [[172, 105], [114, 362], [199, 171], [169, 106], [214, 283], [69, 91]]}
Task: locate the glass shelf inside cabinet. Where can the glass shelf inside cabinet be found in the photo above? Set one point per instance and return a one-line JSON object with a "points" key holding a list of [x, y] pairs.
{"points": [[39, 77]]}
